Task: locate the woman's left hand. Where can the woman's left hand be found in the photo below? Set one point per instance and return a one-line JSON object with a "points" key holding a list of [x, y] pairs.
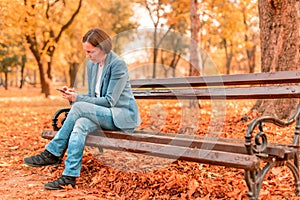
{"points": [[70, 96]]}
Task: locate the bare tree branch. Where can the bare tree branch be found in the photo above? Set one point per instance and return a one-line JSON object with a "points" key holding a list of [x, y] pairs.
{"points": [[64, 27]]}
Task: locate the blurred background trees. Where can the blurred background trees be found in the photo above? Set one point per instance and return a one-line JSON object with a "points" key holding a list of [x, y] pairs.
{"points": [[43, 37]]}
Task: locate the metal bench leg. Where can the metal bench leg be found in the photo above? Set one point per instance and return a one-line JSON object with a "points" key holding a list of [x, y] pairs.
{"points": [[295, 167], [250, 178], [297, 184], [254, 180], [295, 170]]}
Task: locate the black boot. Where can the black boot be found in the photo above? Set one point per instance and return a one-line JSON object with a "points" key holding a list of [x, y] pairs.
{"points": [[43, 159], [60, 183]]}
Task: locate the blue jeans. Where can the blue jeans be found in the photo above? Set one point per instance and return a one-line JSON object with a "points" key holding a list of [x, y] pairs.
{"points": [[83, 118]]}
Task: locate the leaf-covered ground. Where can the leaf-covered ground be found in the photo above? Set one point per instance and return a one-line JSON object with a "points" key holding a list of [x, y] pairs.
{"points": [[122, 175]]}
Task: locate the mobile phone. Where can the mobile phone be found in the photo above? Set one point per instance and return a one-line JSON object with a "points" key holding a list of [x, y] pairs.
{"points": [[60, 90]]}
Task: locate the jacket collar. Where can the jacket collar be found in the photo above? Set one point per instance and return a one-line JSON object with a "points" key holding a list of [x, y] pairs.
{"points": [[110, 58]]}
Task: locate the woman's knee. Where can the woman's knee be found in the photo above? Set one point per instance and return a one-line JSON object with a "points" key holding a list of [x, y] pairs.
{"points": [[77, 107], [84, 126]]}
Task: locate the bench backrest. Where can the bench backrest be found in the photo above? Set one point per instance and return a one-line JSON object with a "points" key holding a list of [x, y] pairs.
{"points": [[238, 86]]}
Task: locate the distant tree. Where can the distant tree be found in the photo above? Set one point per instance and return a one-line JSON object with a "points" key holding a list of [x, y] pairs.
{"points": [[44, 24], [156, 10], [7, 63], [22, 63], [174, 48], [250, 20], [120, 12], [12, 47], [178, 17], [228, 29]]}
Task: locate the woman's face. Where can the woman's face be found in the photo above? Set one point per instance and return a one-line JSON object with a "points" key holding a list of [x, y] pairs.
{"points": [[95, 54]]}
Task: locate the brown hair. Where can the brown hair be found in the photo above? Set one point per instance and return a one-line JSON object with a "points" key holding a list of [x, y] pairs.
{"points": [[98, 38]]}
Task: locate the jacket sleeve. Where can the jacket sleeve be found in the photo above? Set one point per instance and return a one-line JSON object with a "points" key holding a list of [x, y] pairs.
{"points": [[113, 86]]}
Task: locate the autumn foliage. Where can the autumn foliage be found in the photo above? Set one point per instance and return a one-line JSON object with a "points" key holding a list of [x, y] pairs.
{"points": [[122, 175]]}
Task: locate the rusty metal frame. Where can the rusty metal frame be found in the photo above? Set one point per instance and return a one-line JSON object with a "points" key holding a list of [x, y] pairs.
{"points": [[255, 146]]}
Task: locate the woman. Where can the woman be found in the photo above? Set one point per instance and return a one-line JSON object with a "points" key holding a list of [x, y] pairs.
{"points": [[109, 104]]}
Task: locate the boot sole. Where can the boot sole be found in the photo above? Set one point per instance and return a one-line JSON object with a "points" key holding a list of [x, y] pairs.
{"points": [[53, 188], [39, 165]]}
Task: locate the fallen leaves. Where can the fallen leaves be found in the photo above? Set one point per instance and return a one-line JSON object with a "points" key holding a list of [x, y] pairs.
{"points": [[123, 175]]}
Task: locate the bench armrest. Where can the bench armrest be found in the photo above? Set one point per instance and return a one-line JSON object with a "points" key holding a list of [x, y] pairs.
{"points": [[56, 116], [260, 142]]}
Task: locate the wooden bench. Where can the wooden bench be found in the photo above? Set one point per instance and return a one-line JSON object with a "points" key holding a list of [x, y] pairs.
{"points": [[254, 154]]}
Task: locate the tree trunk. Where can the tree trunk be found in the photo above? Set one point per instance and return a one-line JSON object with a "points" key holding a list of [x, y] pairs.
{"points": [[174, 62], [23, 62], [195, 27], [73, 72], [194, 51], [155, 51], [279, 27], [280, 41], [6, 80], [45, 84], [228, 55], [251, 53]]}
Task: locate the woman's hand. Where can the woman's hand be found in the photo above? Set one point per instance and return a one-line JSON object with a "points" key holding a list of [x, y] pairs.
{"points": [[67, 89], [69, 94]]}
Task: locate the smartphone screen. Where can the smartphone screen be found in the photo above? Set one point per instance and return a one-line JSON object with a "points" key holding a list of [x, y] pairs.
{"points": [[60, 90]]}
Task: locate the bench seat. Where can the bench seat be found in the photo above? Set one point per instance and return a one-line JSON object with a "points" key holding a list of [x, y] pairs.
{"points": [[215, 151]]}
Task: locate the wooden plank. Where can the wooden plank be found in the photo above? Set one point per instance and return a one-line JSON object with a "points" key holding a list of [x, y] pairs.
{"points": [[221, 80], [205, 143], [193, 141], [48, 134], [267, 92], [236, 160]]}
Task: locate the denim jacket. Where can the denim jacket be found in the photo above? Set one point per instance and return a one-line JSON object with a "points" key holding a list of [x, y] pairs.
{"points": [[115, 91]]}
